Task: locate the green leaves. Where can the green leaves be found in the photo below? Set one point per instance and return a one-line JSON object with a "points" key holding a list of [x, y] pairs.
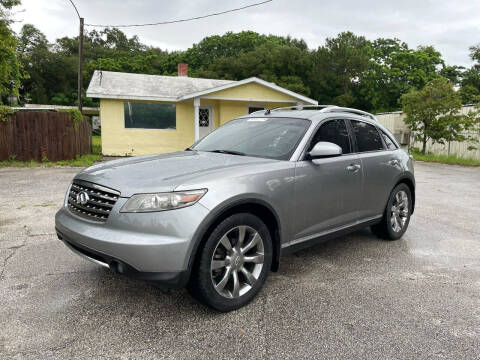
{"points": [[5, 113], [434, 113], [348, 70], [9, 67]]}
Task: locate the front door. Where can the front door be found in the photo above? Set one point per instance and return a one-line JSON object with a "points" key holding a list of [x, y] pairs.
{"points": [[327, 191], [205, 121]]}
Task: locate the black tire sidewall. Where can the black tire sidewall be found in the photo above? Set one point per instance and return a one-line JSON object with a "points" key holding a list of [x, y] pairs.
{"points": [[203, 286]]}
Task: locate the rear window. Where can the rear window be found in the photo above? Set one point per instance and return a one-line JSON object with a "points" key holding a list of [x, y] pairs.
{"points": [[367, 136]]}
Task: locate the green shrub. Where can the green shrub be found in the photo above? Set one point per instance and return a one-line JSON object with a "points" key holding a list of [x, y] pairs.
{"points": [[5, 113], [75, 115]]}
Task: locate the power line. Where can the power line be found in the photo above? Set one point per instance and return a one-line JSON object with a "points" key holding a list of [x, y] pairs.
{"points": [[75, 8], [181, 20]]}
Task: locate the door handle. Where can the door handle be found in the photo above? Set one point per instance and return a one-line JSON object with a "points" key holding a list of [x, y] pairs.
{"points": [[393, 162], [353, 167]]}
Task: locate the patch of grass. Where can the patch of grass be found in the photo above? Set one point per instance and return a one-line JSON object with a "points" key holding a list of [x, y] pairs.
{"points": [[80, 161], [96, 144], [445, 159], [45, 205]]}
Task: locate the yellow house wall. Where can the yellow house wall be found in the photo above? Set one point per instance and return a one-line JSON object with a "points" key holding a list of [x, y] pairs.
{"points": [[230, 110], [119, 141], [252, 92]]}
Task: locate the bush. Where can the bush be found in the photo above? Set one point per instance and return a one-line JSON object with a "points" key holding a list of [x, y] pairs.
{"points": [[5, 113]]}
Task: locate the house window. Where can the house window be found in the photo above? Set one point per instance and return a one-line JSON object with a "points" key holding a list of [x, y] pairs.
{"points": [[149, 115], [254, 108]]}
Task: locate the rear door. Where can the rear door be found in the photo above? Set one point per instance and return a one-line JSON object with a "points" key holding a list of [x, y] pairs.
{"points": [[380, 167], [327, 191]]}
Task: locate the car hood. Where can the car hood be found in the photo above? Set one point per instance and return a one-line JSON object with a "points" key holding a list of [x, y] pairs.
{"points": [[165, 172]]}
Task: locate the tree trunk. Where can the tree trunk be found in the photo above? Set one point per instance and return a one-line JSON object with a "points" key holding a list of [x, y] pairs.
{"points": [[424, 145]]}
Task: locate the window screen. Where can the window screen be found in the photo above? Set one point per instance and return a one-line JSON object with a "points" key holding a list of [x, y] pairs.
{"points": [[367, 136], [149, 116], [334, 131], [390, 144]]}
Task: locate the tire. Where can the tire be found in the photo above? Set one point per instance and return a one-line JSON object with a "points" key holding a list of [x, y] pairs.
{"points": [[228, 275], [396, 216]]}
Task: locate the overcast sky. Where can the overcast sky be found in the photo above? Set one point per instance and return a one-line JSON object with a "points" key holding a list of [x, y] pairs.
{"points": [[450, 25]]}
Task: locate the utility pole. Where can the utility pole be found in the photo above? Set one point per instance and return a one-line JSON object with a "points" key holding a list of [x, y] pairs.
{"points": [[80, 58]]}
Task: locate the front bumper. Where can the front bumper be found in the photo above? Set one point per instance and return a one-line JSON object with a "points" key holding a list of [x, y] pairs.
{"points": [[165, 279], [151, 246]]}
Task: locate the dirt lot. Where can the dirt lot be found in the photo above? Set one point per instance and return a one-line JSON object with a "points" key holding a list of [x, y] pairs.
{"points": [[350, 298]]}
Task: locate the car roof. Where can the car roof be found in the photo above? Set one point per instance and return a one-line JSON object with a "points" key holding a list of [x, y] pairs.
{"points": [[315, 115]]}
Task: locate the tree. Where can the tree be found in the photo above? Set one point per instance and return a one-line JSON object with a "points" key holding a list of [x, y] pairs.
{"points": [[9, 68], [433, 112], [395, 70], [470, 78], [338, 67], [35, 58]]}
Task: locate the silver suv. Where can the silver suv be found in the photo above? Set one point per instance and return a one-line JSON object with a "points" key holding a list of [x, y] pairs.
{"points": [[218, 216]]}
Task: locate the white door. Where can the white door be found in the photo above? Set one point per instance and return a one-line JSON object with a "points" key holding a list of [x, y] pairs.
{"points": [[204, 120]]}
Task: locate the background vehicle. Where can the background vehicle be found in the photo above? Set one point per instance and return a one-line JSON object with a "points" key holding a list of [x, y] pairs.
{"points": [[217, 216]]}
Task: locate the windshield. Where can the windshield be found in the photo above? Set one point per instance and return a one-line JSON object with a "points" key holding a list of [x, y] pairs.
{"points": [[274, 138]]}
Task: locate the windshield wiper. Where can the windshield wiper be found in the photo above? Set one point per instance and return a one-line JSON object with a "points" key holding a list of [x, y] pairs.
{"points": [[231, 152]]}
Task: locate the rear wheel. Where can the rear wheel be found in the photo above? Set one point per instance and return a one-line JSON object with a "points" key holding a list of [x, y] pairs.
{"points": [[233, 264], [397, 214]]}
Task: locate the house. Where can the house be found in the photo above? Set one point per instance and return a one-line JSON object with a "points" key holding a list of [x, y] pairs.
{"points": [[146, 114]]}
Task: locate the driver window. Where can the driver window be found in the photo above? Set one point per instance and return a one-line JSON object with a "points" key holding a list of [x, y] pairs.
{"points": [[334, 131]]}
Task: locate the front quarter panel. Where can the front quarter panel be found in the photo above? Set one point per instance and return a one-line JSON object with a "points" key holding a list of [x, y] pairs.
{"points": [[269, 184]]}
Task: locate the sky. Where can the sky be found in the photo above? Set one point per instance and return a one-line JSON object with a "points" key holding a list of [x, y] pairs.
{"points": [[449, 25]]}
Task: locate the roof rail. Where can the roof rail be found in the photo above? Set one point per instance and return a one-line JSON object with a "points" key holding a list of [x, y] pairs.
{"points": [[350, 110], [298, 107], [324, 108]]}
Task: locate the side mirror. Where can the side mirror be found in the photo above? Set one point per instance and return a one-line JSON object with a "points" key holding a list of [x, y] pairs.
{"points": [[324, 149]]}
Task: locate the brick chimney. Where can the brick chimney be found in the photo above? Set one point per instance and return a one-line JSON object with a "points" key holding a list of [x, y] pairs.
{"points": [[182, 69]]}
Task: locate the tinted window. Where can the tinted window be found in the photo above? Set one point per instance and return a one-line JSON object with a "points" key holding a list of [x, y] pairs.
{"points": [[367, 136], [149, 116], [252, 109], [274, 138], [334, 131], [390, 144]]}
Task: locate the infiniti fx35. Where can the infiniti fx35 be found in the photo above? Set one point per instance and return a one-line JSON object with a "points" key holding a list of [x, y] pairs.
{"points": [[218, 216]]}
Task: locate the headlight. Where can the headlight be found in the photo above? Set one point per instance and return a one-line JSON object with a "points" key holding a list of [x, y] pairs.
{"points": [[162, 201]]}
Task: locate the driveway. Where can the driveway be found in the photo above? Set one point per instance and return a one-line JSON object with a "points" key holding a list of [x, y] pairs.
{"points": [[350, 298]]}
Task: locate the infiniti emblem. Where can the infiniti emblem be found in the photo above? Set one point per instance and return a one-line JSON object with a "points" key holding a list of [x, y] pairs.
{"points": [[82, 198]]}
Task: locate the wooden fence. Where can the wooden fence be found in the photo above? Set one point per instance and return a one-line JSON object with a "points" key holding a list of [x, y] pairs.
{"points": [[40, 136]]}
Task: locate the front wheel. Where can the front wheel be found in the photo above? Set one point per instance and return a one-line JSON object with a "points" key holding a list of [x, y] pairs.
{"points": [[397, 214], [233, 264]]}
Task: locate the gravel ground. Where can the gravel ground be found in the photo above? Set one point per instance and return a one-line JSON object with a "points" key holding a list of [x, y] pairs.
{"points": [[350, 298]]}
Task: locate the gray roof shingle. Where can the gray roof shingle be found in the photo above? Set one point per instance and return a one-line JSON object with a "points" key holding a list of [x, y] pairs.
{"points": [[117, 85]]}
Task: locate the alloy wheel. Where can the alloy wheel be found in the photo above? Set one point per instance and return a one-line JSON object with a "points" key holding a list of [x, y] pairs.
{"points": [[399, 211], [237, 261]]}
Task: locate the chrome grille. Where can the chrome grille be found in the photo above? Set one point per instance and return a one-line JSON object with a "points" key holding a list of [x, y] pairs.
{"points": [[97, 205]]}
